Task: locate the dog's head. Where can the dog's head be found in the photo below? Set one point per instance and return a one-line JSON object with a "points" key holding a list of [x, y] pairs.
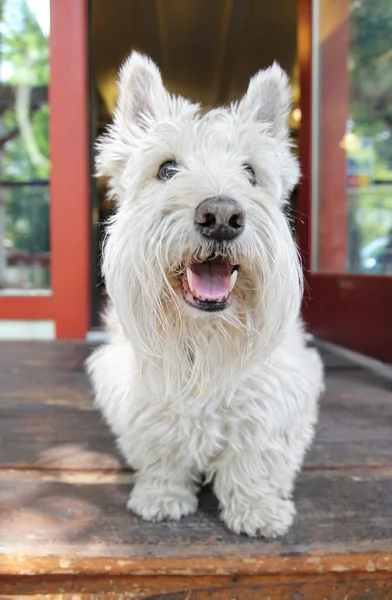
{"points": [[199, 234]]}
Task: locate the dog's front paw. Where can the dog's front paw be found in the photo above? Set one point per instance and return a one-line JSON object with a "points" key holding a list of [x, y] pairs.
{"points": [[268, 518], [159, 503]]}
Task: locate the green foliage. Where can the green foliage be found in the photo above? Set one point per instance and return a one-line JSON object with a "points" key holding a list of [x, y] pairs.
{"points": [[17, 163], [373, 211], [25, 58], [370, 64], [27, 218], [370, 112], [24, 44]]}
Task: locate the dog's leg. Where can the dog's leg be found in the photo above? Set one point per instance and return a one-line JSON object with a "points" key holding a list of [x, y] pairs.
{"points": [[249, 493], [255, 478], [164, 490], [151, 443]]}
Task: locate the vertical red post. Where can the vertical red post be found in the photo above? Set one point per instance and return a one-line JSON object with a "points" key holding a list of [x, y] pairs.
{"points": [[334, 106], [69, 147], [304, 36]]}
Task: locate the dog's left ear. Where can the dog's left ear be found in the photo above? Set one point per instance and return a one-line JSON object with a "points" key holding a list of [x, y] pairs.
{"points": [[268, 99]]}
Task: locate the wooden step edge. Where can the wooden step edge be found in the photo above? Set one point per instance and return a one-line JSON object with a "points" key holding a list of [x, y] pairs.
{"points": [[236, 562]]}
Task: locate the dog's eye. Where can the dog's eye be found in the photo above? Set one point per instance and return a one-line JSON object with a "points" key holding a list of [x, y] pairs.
{"points": [[167, 170], [250, 172]]}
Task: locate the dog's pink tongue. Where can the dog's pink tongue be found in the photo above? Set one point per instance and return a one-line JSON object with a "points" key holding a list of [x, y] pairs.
{"points": [[211, 279]]}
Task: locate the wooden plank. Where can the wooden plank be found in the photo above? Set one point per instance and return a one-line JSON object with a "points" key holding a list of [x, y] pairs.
{"points": [[63, 520], [39, 429], [45, 516], [48, 372], [349, 454], [352, 586], [346, 436], [357, 383], [77, 456], [47, 418], [59, 354]]}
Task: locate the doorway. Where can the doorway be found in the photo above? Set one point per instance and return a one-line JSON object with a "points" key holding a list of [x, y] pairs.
{"points": [[207, 51]]}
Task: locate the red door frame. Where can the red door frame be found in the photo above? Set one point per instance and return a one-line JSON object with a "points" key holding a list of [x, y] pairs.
{"points": [[69, 303], [351, 310]]}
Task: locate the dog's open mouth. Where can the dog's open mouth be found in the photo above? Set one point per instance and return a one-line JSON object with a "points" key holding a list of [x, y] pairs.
{"points": [[208, 285]]}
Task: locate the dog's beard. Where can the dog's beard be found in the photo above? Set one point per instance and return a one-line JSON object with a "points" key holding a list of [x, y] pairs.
{"points": [[202, 353]]}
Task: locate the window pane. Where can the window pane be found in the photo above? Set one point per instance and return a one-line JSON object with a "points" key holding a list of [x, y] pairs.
{"points": [[352, 123], [24, 145]]}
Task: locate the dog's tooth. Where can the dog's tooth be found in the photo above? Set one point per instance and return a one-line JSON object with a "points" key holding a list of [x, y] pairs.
{"points": [[189, 275], [233, 279]]}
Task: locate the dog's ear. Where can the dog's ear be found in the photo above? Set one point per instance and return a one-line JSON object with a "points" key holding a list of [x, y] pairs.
{"points": [[268, 99], [141, 91], [142, 100]]}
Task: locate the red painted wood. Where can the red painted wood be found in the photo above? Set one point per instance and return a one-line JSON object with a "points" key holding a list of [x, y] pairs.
{"points": [[26, 307], [70, 222], [334, 95], [351, 310]]}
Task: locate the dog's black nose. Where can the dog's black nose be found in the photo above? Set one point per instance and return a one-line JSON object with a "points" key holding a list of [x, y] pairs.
{"points": [[220, 218]]}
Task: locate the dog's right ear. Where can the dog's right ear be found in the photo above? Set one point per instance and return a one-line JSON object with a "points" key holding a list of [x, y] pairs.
{"points": [[142, 95], [268, 99]]}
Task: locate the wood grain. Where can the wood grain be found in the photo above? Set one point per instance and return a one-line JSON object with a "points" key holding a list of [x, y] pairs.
{"points": [[65, 532]]}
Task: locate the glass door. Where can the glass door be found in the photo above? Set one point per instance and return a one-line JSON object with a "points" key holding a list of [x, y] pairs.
{"points": [[24, 148], [346, 152]]}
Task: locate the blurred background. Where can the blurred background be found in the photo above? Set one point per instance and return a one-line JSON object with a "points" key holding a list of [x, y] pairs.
{"points": [[58, 65]]}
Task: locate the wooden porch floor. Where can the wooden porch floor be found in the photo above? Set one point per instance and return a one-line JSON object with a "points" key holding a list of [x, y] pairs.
{"points": [[65, 533]]}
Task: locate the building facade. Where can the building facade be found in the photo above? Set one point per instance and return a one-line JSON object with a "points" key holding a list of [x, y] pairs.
{"points": [[57, 75]]}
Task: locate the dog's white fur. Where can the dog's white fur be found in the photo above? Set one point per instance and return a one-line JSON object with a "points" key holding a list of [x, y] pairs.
{"points": [[232, 395]]}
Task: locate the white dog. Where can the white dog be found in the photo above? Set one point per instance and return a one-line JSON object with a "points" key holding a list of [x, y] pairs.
{"points": [[206, 373]]}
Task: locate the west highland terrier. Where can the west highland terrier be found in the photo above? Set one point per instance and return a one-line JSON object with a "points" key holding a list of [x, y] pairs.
{"points": [[206, 375]]}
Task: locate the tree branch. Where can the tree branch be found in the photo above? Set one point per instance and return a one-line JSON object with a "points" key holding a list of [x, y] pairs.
{"points": [[10, 136]]}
